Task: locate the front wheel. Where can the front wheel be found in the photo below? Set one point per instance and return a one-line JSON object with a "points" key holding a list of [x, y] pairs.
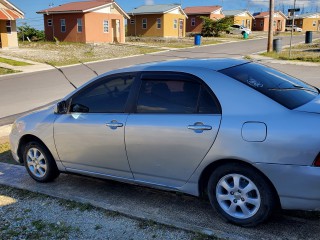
{"points": [[240, 195], [39, 162]]}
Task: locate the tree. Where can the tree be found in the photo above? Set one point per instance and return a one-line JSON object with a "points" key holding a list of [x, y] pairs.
{"points": [[215, 27], [25, 31]]}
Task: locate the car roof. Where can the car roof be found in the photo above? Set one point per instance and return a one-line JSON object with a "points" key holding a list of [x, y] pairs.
{"points": [[215, 64]]}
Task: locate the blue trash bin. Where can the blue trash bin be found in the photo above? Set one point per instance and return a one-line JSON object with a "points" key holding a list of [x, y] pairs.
{"points": [[197, 39], [308, 37]]}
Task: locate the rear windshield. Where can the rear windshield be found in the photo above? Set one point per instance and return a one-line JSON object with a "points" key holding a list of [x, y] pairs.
{"points": [[284, 89]]}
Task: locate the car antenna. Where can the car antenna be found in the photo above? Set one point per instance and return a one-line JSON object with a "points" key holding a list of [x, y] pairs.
{"points": [[62, 74], [89, 68]]}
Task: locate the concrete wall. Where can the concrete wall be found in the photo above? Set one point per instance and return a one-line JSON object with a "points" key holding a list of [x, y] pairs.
{"points": [[244, 20], [169, 30], [279, 26], [8, 40]]}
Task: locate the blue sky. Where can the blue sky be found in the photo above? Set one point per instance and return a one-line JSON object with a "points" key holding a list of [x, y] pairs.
{"points": [[31, 6]]}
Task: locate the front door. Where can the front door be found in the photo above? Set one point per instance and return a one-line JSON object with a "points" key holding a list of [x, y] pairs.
{"points": [[175, 125], [116, 30], [90, 138]]}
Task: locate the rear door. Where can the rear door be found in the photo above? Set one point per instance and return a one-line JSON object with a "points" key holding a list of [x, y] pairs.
{"points": [[175, 123]]}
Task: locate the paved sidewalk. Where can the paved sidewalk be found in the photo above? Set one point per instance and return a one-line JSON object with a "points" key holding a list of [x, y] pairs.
{"points": [[182, 211]]}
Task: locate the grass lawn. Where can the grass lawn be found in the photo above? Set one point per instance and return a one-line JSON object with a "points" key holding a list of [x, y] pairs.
{"points": [[301, 52], [4, 71], [13, 62], [64, 53], [5, 154]]}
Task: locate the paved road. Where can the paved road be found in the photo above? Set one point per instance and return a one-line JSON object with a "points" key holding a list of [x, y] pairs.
{"points": [[182, 211], [20, 93]]}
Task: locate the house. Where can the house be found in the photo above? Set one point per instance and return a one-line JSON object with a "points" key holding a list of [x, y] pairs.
{"points": [[100, 21], [308, 21], [261, 21], [165, 20], [9, 13], [240, 17], [195, 14]]}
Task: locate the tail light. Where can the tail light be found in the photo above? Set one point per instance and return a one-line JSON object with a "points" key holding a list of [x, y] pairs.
{"points": [[316, 162]]}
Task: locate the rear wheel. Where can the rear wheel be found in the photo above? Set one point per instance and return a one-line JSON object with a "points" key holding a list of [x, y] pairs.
{"points": [[240, 195], [39, 162]]}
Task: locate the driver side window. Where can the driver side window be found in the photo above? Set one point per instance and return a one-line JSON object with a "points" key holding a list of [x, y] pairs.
{"points": [[106, 96]]}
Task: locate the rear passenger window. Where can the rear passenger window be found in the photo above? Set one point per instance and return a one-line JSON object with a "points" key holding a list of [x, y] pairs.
{"points": [[175, 93], [168, 96]]}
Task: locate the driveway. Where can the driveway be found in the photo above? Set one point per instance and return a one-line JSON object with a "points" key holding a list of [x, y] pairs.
{"points": [[181, 211], [20, 93]]}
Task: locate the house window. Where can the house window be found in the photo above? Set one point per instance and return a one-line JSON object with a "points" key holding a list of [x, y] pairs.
{"points": [[314, 23], [274, 23], [243, 22], [175, 23], [49, 22], [261, 24], [8, 26], [144, 23], [63, 25], [193, 22], [158, 23], [254, 23], [132, 21], [79, 23], [105, 26]]}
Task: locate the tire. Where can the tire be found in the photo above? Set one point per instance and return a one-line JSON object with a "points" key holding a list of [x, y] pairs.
{"points": [[39, 162], [235, 204]]}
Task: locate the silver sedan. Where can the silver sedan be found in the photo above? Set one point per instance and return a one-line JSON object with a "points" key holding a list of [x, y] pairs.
{"points": [[241, 133]]}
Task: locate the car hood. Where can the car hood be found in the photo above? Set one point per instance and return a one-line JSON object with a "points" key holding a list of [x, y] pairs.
{"points": [[312, 106]]}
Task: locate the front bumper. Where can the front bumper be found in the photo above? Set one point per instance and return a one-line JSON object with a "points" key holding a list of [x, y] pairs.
{"points": [[14, 143], [297, 186]]}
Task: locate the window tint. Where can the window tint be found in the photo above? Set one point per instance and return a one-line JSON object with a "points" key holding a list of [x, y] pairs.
{"points": [[168, 97], [108, 96], [284, 89], [207, 104]]}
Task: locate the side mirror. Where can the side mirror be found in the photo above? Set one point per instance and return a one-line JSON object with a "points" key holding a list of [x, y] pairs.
{"points": [[61, 108]]}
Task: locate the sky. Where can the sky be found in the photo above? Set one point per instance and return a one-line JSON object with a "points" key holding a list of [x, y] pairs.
{"points": [[30, 7]]}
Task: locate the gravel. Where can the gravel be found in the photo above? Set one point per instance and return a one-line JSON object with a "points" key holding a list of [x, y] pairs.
{"points": [[26, 215]]}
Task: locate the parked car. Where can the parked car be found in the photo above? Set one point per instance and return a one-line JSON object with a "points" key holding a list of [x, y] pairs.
{"points": [[244, 134], [238, 29], [295, 28]]}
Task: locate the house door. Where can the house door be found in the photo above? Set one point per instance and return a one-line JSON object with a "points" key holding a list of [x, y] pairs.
{"points": [[181, 27], [319, 25], [279, 25], [116, 30], [248, 25]]}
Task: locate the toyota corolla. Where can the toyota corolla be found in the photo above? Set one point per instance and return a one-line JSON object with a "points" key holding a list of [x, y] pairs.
{"points": [[241, 133]]}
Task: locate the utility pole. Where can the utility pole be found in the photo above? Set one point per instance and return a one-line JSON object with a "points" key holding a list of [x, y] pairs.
{"points": [[293, 17], [270, 32]]}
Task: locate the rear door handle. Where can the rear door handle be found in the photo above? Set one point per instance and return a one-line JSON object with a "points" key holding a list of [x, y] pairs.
{"points": [[114, 124], [200, 127]]}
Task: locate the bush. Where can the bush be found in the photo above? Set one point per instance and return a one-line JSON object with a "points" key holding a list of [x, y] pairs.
{"points": [[215, 27], [25, 32]]}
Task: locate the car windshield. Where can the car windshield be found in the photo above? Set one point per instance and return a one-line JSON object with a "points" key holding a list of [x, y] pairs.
{"points": [[282, 88]]}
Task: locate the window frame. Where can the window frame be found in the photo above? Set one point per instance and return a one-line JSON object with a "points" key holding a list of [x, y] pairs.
{"points": [[105, 26], [49, 22], [63, 27], [175, 23], [173, 76], [79, 20], [193, 22], [159, 23], [8, 27], [132, 21], [144, 22]]}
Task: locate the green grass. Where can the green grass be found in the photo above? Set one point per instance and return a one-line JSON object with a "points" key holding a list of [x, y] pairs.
{"points": [[301, 52], [5, 154], [4, 71], [13, 62]]}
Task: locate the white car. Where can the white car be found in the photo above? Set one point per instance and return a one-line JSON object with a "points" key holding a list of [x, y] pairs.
{"points": [[238, 29], [295, 28]]}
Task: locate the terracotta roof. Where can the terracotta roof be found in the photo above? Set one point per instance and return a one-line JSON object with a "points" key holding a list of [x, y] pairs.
{"points": [[261, 14], [76, 6], [201, 9], [8, 14]]}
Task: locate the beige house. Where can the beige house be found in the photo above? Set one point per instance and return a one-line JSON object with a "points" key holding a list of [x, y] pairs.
{"points": [[241, 17], [8, 25], [308, 21], [164, 20]]}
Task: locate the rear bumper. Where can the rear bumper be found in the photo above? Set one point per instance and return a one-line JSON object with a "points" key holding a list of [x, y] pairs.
{"points": [[297, 186]]}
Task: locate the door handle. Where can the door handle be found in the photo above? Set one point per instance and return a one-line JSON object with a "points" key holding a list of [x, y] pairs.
{"points": [[199, 127], [114, 124]]}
